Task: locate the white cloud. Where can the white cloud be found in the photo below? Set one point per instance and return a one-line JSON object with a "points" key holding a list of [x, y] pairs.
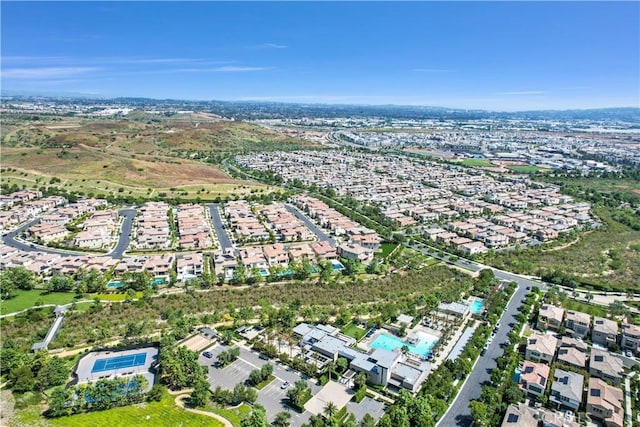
{"points": [[46, 72]]}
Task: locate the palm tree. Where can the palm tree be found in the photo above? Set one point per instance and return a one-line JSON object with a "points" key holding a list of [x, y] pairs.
{"points": [[330, 410], [331, 366]]}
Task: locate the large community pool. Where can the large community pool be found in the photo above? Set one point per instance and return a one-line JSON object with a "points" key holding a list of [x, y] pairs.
{"points": [[476, 306], [421, 348]]}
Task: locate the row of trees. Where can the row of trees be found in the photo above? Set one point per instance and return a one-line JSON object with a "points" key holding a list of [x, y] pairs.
{"points": [[439, 390], [101, 395], [502, 391]]}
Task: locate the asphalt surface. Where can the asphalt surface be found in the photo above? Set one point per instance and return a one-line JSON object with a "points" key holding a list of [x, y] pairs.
{"points": [[459, 413], [218, 225], [272, 396], [9, 239], [125, 233], [310, 225]]}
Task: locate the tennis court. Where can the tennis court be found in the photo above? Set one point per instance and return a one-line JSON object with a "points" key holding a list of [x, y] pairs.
{"points": [[119, 362]]}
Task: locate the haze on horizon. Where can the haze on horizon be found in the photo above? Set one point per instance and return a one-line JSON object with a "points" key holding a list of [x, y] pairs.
{"points": [[495, 56]]}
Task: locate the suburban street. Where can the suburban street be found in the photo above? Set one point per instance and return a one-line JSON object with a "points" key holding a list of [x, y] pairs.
{"points": [[310, 224], [459, 413], [221, 232], [9, 239], [125, 233]]}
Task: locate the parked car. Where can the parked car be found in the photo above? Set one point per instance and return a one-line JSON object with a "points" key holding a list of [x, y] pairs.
{"points": [[207, 354], [628, 353], [285, 385]]}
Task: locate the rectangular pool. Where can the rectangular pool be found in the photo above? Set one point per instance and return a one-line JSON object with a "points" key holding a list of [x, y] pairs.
{"points": [[476, 306], [421, 348]]}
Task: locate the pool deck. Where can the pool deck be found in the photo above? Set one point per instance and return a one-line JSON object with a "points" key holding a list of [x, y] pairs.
{"points": [[366, 343]]}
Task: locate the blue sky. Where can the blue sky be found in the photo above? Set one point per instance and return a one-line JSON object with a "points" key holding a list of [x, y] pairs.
{"points": [[499, 55]]}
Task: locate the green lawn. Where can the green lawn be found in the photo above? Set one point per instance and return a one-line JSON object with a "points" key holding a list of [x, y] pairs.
{"points": [[592, 309], [26, 299], [163, 413], [354, 331], [234, 415], [264, 383], [387, 248], [476, 162], [523, 168]]}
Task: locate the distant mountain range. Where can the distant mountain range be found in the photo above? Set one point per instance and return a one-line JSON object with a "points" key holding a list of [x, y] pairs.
{"points": [[264, 110]]}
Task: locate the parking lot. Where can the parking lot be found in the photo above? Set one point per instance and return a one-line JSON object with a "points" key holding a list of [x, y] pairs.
{"points": [[272, 397]]}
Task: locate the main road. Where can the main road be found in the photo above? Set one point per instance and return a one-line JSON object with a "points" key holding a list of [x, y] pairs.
{"points": [[459, 413]]}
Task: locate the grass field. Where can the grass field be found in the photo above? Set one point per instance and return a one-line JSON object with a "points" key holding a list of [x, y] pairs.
{"points": [[523, 168], [156, 414], [234, 415], [387, 248], [26, 299], [592, 309], [354, 331], [476, 162], [133, 158]]}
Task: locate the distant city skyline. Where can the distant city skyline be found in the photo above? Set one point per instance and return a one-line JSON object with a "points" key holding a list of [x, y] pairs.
{"points": [[478, 55]]}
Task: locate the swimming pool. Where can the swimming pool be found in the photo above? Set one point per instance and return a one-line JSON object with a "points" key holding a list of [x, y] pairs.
{"points": [[114, 284], [390, 342], [337, 265], [476, 306]]}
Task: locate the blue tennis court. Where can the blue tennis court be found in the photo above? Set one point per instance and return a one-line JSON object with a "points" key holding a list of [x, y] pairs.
{"points": [[119, 362]]}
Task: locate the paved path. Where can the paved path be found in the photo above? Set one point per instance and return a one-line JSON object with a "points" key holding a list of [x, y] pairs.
{"points": [[185, 394], [627, 400]]}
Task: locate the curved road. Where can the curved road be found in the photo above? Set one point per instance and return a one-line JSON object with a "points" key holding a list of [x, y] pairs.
{"points": [[9, 239], [125, 233]]}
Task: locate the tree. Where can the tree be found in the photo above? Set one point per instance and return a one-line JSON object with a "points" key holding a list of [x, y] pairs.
{"points": [[22, 379], [200, 395], [257, 418], [20, 277], [59, 283], [53, 373], [283, 419], [59, 403], [367, 421], [330, 410], [155, 394], [360, 380], [298, 393], [479, 413], [512, 394]]}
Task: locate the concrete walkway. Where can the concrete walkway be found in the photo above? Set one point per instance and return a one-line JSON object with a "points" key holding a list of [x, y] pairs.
{"points": [[627, 400], [183, 394]]}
